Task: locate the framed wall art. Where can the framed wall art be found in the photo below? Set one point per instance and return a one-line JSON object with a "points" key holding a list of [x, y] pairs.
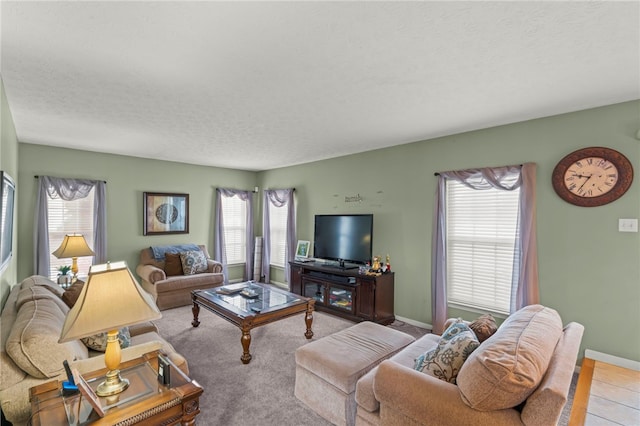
{"points": [[165, 213], [7, 201]]}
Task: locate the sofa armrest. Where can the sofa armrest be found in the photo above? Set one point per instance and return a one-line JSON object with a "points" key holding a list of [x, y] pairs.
{"points": [[214, 266], [428, 400], [142, 328], [97, 362], [150, 273]]}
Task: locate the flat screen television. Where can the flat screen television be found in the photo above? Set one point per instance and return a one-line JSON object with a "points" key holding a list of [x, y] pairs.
{"points": [[343, 238]]}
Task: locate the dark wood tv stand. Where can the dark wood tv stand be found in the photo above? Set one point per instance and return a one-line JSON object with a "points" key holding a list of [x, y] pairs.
{"points": [[345, 292]]}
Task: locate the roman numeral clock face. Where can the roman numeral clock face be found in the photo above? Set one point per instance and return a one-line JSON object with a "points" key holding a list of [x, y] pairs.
{"points": [[592, 177]]}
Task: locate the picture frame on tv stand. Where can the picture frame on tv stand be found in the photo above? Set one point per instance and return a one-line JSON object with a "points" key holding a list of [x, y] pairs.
{"points": [[302, 249]]}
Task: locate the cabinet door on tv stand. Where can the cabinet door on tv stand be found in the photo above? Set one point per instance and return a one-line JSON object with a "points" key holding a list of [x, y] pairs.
{"points": [[366, 299], [341, 298], [385, 299], [295, 280], [314, 289]]}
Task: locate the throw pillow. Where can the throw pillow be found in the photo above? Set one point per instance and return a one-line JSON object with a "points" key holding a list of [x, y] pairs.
{"points": [[508, 367], [193, 262], [70, 296], [484, 327], [98, 342], [445, 361], [172, 264]]}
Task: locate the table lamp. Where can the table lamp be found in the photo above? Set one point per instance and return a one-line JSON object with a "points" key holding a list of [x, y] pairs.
{"points": [[110, 299], [73, 246]]}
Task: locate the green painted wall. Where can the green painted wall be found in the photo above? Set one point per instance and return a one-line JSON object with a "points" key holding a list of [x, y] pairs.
{"points": [[9, 164], [589, 271], [127, 178]]}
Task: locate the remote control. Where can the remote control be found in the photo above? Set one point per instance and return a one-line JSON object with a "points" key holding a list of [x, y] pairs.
{"points": [[164, 371], [255, 309]]}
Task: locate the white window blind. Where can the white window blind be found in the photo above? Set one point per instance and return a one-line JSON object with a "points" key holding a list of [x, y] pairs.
{"points": [[278, 234], [70, 217], [234, 213], [481, 233]]}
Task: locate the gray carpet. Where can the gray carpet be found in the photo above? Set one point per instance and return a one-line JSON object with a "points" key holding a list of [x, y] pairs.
{"points": [[260, 392]]}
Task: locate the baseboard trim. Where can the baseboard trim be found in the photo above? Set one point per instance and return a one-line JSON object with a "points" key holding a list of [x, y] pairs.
{"points": [[414, 322], [612, 359], [283, 286]]}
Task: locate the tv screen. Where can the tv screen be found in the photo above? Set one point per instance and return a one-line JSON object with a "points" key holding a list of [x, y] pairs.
{"points": [[345, 238]]}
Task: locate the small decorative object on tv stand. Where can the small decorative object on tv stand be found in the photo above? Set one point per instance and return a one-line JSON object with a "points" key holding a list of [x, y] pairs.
{"points": [[345, 292]]}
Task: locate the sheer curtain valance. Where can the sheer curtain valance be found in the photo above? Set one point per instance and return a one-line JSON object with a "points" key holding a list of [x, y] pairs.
{"points": [[69, 190], [524, 286], [219, 246]]}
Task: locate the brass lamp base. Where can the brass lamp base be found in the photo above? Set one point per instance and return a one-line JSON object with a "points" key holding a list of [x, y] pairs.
{"points": [[113, 384]]}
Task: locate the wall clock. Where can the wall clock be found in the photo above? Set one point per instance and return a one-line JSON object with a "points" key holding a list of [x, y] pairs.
{"points": [[591, 177]]}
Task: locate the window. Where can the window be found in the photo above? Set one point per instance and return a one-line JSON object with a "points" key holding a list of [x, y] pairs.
{"points": [[278, 226], [481, 232], [70, 217], [278, 234], [480, 241], [234, 211]]}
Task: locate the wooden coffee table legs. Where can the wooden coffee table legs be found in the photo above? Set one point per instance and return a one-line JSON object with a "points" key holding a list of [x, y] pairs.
{"points": [[308, 319], [196, 311], [247, 323], [246, 342]]}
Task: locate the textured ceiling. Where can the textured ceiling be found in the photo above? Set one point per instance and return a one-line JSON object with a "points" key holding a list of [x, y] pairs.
{"points": [[262, 85]]}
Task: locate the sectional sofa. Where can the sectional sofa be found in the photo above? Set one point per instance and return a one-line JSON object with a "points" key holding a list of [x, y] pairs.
{"points": [[519, 376], [30, 354]]}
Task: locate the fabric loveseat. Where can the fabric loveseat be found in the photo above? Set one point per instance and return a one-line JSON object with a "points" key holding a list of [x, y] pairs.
{"points": [[519, 376], [30, 354], [162, 274]]}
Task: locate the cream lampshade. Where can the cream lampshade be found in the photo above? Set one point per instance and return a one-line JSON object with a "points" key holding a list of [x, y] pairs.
{"points": [[110, 299], [73, 246]]}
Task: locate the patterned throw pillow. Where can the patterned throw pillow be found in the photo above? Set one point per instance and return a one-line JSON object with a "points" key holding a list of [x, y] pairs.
{"points": [[193, 262], [484, 327], [172, 264], [445, 361], [98, 342]]}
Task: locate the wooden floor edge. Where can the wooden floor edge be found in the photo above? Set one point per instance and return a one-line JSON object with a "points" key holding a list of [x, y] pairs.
{"points": [[581, 397]]}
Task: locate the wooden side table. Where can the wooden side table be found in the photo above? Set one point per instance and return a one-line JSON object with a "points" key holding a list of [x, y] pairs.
{"points": [[146, 401]]}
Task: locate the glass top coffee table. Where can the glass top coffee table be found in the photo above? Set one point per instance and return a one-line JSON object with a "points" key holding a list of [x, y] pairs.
{"points": [[249, 305]]}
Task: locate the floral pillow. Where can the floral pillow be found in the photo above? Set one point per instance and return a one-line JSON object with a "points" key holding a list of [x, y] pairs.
{"points": [[445, 361], [98, 342], [193, 262]]}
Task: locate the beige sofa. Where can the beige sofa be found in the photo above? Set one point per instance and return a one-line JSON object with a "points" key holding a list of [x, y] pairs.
{"points": [[173, 291], [30, 354], [519, 376]]}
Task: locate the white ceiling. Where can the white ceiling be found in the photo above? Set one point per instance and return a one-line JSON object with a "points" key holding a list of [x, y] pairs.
{"points": [[262, 85]]}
